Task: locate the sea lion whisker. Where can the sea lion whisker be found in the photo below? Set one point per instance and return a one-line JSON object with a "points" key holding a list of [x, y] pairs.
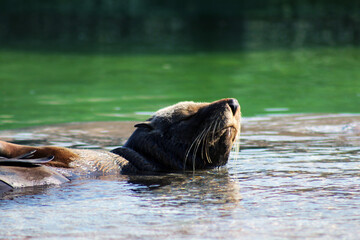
{"points": [[191, 146], [208, 158], [217, 122], [200, 140], [205, 142], [212, 129]]}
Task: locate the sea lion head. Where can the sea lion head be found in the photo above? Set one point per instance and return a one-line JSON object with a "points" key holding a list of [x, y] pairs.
{"points": [[188, 135]]}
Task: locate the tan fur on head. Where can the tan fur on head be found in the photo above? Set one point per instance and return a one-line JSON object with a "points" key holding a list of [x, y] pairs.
{"points": [[178, 111]]}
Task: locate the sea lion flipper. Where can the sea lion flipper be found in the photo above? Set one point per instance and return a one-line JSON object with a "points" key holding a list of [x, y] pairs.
{"points": [[25, 159], [21, 161], [26, 155]]}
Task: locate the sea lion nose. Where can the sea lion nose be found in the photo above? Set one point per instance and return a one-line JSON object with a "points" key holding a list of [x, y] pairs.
{"points": [[234, 105]]}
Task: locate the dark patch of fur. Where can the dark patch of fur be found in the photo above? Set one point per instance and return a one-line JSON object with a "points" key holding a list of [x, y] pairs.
{"points": [[165, 138]]}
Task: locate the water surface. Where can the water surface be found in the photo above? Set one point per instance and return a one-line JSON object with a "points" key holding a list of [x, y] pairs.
{"points": [[296, 177], [38, 88]]}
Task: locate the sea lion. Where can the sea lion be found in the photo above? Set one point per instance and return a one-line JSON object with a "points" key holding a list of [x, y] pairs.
{"points": [[184, 136]]}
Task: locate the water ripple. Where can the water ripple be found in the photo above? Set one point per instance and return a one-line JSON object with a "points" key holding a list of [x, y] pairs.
{"points": [[281, 185]]}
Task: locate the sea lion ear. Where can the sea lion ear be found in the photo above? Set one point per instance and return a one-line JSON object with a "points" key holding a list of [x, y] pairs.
{"points": [[146, 124]]}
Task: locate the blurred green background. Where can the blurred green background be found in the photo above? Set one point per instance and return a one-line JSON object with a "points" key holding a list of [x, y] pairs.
{"points": [[103, 60]]}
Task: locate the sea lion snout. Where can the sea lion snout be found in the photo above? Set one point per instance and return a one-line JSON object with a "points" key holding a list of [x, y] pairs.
{"points": [[230, 110], [234, 105]]}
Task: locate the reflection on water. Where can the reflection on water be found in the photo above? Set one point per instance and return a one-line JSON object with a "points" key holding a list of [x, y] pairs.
{"points": [[68, 87], [291, 188]]}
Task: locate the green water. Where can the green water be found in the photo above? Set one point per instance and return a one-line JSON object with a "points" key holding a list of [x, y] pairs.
{"points": [[39, 88]]}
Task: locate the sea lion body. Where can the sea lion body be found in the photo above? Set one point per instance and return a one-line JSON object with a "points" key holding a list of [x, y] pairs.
{"points": [[184, 136]]}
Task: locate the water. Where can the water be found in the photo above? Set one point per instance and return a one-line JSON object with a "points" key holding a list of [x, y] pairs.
{"points": [[296, 177], [38, 88], [293, 179]]}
